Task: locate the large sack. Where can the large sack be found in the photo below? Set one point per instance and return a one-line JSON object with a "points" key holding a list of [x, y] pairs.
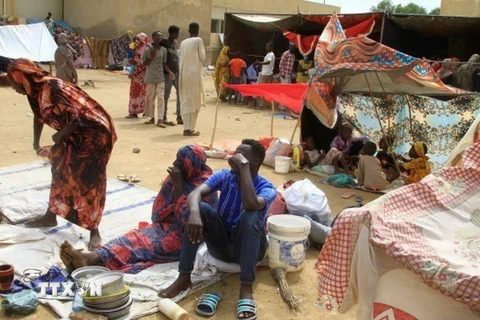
{"points": [[278, 147], [304, 199]]}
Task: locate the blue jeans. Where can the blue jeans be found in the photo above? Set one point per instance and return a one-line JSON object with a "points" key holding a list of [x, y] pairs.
{"points": [[244, 243], [168, 90]]}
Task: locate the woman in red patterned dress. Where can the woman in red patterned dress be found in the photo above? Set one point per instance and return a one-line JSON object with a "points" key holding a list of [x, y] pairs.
{"points": [[83, 143], [136, 104]]}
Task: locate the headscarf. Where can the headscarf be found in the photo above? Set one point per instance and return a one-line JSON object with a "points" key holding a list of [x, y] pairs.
{"points": [[420, 151], [223, 57], [464, 74], [446, 70], [194, 172], [142, 46], [26, 73]]}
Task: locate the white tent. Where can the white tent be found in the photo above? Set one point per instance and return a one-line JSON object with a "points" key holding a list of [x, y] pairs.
{"points": [[32, 41]]}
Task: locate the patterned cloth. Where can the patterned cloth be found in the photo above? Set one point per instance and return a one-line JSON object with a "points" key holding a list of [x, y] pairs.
{"points": [[349, 62], [222, 72], [407, 224], [417, 168], [136, 105], [160, 241], [119, 48], [440, 124], [230, 204], [79, 162], [287, 62]]}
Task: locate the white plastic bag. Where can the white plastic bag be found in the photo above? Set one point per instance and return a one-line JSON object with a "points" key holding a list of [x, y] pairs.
{"points": [[303, 198], [278, 147]]}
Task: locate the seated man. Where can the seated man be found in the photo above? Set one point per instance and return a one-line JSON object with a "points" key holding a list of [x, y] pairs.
{"points": [[236, 233]]}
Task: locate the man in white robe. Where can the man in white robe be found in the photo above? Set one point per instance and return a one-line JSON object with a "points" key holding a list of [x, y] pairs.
{"points": [[192, 97]]}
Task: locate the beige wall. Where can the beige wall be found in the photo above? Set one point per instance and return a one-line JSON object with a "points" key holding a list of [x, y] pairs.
{"points": [[110, 18], [460, 8], [32, 8], [270, 6]]}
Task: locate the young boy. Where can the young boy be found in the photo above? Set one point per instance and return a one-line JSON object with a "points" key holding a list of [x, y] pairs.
{"points": [[369, 173]]}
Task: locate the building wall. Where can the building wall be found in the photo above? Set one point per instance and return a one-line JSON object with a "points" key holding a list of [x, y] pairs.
{"points": [[32, 8], [110, 18], [460, 8]]}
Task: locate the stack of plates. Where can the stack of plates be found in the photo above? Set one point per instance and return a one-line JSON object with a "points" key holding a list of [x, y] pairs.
{"points": [[115, 301]]}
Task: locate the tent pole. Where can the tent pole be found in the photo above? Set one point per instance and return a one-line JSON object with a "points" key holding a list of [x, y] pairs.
{"points": [[273, 116], [215, 121], [379, 120], [383, 28], [51, 67], [301, 112], [410, 117], [385, 92]]}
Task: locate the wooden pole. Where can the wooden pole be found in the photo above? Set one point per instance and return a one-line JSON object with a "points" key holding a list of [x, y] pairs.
{"points": [[271, 121], [301, 112], [215, 121], [410, 117], [379, 120], [383, 27], [51, 68]]}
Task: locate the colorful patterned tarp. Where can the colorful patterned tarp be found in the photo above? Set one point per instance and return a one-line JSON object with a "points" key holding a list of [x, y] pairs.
{"points": [[440, 124], [362, 65]]}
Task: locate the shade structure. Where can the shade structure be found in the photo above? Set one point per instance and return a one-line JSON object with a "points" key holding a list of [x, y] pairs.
{"points": [[32, 41], [362, 65], [288, 95]]}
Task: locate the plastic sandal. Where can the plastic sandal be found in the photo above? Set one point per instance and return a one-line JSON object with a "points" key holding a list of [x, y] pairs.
{"points": [[189, 133], [208, 303], [168, 123], [247, 305], [161, 125], [134, 179], [122, 177]]}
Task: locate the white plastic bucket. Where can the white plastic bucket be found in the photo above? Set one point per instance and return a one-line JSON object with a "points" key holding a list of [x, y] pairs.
{"points": [[282, 164], [287, 236]]}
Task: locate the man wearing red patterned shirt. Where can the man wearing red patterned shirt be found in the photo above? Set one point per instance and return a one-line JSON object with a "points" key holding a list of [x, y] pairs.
{"points": [[287, 63]]}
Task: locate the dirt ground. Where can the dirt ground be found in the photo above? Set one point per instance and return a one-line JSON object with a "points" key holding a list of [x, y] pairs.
{"points": [[158, 148]]}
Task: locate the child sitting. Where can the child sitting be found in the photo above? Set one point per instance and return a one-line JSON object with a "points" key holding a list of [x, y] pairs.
{"points": [[387, 157], [312, 155], [418, 167], [344, 149], [369, 173]]}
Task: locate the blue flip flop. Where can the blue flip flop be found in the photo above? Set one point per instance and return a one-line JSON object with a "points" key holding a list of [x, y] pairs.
{"points": [[247, 305], [208, 303]]}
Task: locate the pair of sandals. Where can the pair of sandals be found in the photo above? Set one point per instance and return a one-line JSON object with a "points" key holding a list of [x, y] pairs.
{"points": [[161, 123], [189, 133], [208, 303], [126, 178]]}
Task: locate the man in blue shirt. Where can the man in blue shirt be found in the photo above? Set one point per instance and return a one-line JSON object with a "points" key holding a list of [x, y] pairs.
{"points": [[235, 232]]}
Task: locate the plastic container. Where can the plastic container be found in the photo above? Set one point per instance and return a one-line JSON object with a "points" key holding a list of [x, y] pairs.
{"points": [[282, 164], [296, 157], [287, 236], [172, 310]]}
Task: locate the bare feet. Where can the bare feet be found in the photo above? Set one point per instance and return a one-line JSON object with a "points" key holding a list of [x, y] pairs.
{"points": [[182, 283], [95, 240], [73, 259], [246, 292], [48, 220]]}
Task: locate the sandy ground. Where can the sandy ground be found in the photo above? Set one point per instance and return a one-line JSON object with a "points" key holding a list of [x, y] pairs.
{"points": [[158, 148]]}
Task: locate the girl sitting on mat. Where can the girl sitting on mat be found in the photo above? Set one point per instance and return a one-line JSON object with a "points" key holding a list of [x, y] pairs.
{"points": [[418, 167], [387, 157]]}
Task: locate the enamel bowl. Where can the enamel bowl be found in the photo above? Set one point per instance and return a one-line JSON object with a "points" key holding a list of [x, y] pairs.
{"points": [[98, 301], [84, 274], [111, 282]]}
